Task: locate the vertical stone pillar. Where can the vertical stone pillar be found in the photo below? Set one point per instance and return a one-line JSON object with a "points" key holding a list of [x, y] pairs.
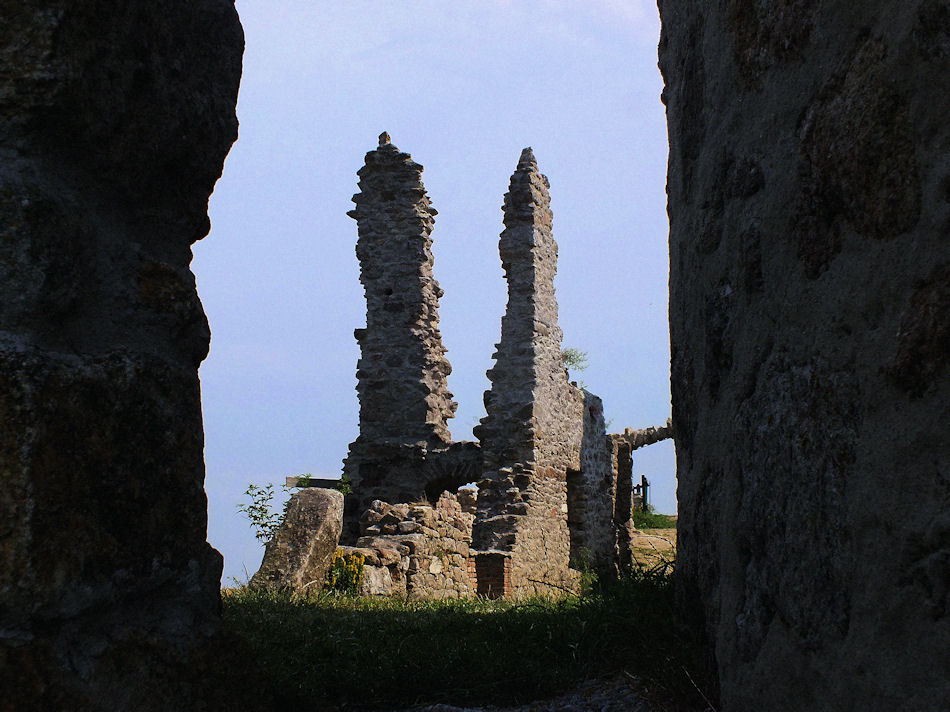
{"points": [[810, 324], [531, 435], [622, 465], [405, 403], [115, 118], [590, 495]]}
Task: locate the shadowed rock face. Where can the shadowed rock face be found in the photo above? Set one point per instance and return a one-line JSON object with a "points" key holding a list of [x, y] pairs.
{"points": [[115, 118], [809, 320]]}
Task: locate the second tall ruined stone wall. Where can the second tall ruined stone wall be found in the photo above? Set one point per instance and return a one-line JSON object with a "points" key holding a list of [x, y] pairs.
{"points": [[531, 435], [810, 325], [592, 494]]}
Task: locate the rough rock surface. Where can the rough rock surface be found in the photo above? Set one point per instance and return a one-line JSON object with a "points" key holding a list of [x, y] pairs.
{"points": [[115, 118], [405, 403], [531, 435], [809, 199], [299, 554]]}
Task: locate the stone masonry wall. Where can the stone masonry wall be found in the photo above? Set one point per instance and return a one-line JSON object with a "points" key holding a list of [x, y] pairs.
{"points": [[418, 550], [404, 399], [810, 324], [591, 492], [531, 435], [621, 463], [115, 119]]}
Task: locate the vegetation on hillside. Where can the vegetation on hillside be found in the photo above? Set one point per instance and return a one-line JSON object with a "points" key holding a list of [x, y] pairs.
{"points": [[651, 520], [332, 650]]}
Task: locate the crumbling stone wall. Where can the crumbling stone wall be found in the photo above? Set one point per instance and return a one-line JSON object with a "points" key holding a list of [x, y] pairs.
{"points": [[405, 403], [591, 493], [641, 437], [810, 326], [547, 470], [115, 118], [621, 465], [418, 550], [531, 435]]}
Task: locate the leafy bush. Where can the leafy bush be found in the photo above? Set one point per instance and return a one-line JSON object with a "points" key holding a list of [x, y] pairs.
{"points": [[263, 519], [345, 485]]}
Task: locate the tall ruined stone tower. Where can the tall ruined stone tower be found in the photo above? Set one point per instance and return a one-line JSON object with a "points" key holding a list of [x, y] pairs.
{"points": [[405, 403], [530, 437]]}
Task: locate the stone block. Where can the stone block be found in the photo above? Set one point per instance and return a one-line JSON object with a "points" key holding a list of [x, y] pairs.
{"points": [[377, 581]]}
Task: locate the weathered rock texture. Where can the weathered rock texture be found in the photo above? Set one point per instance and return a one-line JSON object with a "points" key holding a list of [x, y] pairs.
{"points": [[531, 435], [809, 198], [298, 556], [115, 118], [405, 403]]}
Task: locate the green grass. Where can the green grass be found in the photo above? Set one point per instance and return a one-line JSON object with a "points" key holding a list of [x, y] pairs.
{"points": [[334, 651], [649, 520]]}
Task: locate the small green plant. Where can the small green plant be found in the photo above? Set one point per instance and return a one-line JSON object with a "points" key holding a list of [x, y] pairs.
{"points": [[345, 486], [264, 520], [304, 480], [574, 359], [346, 572]]}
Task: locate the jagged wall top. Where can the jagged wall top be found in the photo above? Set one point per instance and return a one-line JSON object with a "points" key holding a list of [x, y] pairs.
{"points": [[404, 396], [528, 378]]}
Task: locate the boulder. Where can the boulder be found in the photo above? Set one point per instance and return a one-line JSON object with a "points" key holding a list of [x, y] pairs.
{"points": [[299, 555]]}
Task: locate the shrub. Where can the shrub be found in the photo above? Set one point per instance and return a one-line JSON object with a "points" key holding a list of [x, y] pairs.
{"points": [[263, 519]]}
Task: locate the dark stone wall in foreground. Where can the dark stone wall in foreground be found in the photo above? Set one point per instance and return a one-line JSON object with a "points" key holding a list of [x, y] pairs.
{"points": [[115, 118], [809, 198]]}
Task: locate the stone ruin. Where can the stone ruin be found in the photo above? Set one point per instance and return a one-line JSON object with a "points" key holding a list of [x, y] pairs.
{"points": [[808, 201], [554, 491]]}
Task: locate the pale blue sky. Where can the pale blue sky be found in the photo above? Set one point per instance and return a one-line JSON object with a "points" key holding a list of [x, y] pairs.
{"points": [[463, 86]]}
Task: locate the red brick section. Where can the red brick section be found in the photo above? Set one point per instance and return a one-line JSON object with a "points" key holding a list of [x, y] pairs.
{"points": [[492, 575]]}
